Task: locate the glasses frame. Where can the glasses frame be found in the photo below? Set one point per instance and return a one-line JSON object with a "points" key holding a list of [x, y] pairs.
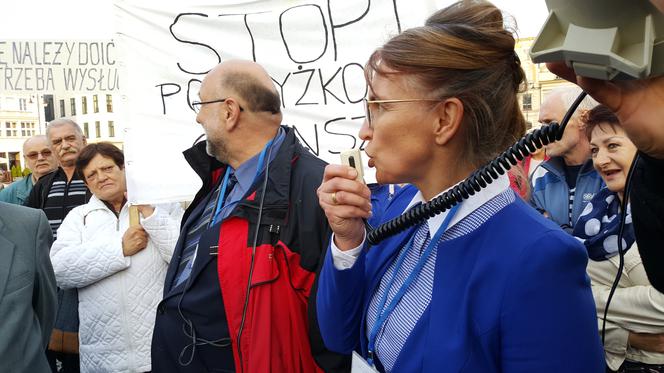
{"points": [[367, 102], [35, 155], [197, 104]]}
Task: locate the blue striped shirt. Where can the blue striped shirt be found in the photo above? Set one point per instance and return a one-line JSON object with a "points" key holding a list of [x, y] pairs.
{"points": [[395, 331]]}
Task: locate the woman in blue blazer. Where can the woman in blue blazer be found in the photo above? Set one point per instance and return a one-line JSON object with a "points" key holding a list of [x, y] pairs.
{"points": [[488, 286]]}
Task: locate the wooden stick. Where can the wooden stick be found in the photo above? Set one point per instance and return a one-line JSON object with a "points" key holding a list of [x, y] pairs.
{"points": [[134, 217]]}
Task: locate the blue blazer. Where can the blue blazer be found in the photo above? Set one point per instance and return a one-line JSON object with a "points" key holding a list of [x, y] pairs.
{"points": [[510, 296]]}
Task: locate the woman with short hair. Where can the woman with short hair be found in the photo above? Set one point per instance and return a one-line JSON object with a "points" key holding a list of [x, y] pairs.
{"points": [[634, 340], [119, 270]]}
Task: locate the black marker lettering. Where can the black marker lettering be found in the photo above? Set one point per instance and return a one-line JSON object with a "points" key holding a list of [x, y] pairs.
{"points": [[333, 27], [325, 84], [191, 42], [306, 88], [281, 90], [343, 78], [283, 38], [164, 94], [325, 128]]}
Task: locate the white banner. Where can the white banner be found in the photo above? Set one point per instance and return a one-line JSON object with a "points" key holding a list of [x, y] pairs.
{"points": [[314, 50], [50, 66]]}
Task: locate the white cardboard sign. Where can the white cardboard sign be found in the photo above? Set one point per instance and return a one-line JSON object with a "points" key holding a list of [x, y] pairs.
{"points": [[314, 50]]}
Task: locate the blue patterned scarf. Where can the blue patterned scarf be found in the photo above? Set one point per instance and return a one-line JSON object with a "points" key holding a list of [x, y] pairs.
{"points": [[598, 225]]}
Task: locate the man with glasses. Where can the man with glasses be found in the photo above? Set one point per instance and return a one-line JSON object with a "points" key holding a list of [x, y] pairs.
{"points": [[40, 160], [57, 194], [238, 292]]}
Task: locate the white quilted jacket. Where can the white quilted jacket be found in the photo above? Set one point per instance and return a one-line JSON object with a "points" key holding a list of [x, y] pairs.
{"points": [[118, 295]]}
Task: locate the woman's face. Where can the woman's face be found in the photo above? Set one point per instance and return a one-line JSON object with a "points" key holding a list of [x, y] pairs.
{"points": [[105, 179], [612, 154], [400, 137]]}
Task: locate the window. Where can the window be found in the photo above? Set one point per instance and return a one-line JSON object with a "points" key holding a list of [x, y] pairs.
{"points": [[111, 129], [72, 103], [62, 108], [527, 101], [109, 103], [86, 131], [11, 129], [95, 103], [22, 104], [98, 129], [84, 105]]}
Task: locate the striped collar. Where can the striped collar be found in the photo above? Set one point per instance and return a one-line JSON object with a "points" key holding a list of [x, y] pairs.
{"points": [[468, 206]]}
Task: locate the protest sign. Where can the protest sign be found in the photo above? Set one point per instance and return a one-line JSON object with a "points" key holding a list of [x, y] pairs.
{"points": [[49, 66], [314, 50]]}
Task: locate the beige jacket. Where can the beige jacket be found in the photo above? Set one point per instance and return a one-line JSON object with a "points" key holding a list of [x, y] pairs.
{"points": [[636, 306]]}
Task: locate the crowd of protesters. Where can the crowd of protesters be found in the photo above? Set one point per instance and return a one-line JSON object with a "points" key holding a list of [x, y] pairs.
{"points": [[269, 268]]}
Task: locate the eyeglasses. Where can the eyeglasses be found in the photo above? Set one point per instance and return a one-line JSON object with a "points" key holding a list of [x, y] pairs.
{"points": [[34, 155], [196, 105], [367, 108]]}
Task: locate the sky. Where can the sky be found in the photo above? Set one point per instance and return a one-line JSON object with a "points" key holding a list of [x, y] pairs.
{"points": [[85, 19]]}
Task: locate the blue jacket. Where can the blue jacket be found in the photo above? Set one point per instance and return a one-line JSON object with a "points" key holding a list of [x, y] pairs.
{"points": [[510, 296], [17, 192], [550, 192], [381, 196]]}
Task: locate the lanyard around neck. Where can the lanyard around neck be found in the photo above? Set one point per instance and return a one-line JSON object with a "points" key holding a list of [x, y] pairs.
{"points": [[384, 312], [221, 198]]}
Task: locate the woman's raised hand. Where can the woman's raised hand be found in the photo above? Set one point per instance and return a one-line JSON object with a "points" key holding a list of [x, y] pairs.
{"points": [[346, 202]]}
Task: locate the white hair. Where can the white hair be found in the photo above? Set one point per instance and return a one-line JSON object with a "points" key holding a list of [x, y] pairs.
{"points": [[568, 94], [63, 122]]}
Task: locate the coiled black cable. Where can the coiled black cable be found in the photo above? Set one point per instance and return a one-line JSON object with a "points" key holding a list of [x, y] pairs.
{"points": [[621, 249], [477, 180]]}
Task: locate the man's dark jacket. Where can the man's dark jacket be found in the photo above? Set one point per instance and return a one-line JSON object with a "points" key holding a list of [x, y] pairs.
{"points": [[647, 201], [199, 326], [39, 192]]}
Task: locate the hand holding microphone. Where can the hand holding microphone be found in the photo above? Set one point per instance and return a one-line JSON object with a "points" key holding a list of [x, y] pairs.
{"points": [[346, 201]]}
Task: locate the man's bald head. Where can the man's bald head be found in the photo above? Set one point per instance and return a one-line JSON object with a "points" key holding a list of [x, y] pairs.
{"points": [[250, 82], [34, 140]]}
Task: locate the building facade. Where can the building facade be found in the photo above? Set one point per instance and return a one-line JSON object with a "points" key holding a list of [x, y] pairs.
{"points": [[23, 115], [540, 81]]}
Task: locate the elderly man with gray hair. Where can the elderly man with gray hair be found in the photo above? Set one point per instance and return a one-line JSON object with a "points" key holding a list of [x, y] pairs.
{"points": [[57, 194], [40, 160], [563, 185]]}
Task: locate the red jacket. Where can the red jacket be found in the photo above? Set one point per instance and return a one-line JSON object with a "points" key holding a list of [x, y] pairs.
{"points": [[275, 335], [280, 332]]}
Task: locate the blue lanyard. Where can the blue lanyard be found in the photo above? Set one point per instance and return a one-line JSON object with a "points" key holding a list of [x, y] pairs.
{"points": [[221, 199], [384, 312]]}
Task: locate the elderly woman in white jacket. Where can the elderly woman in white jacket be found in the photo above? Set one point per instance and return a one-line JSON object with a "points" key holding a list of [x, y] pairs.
{"points": [[119, 270]]}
